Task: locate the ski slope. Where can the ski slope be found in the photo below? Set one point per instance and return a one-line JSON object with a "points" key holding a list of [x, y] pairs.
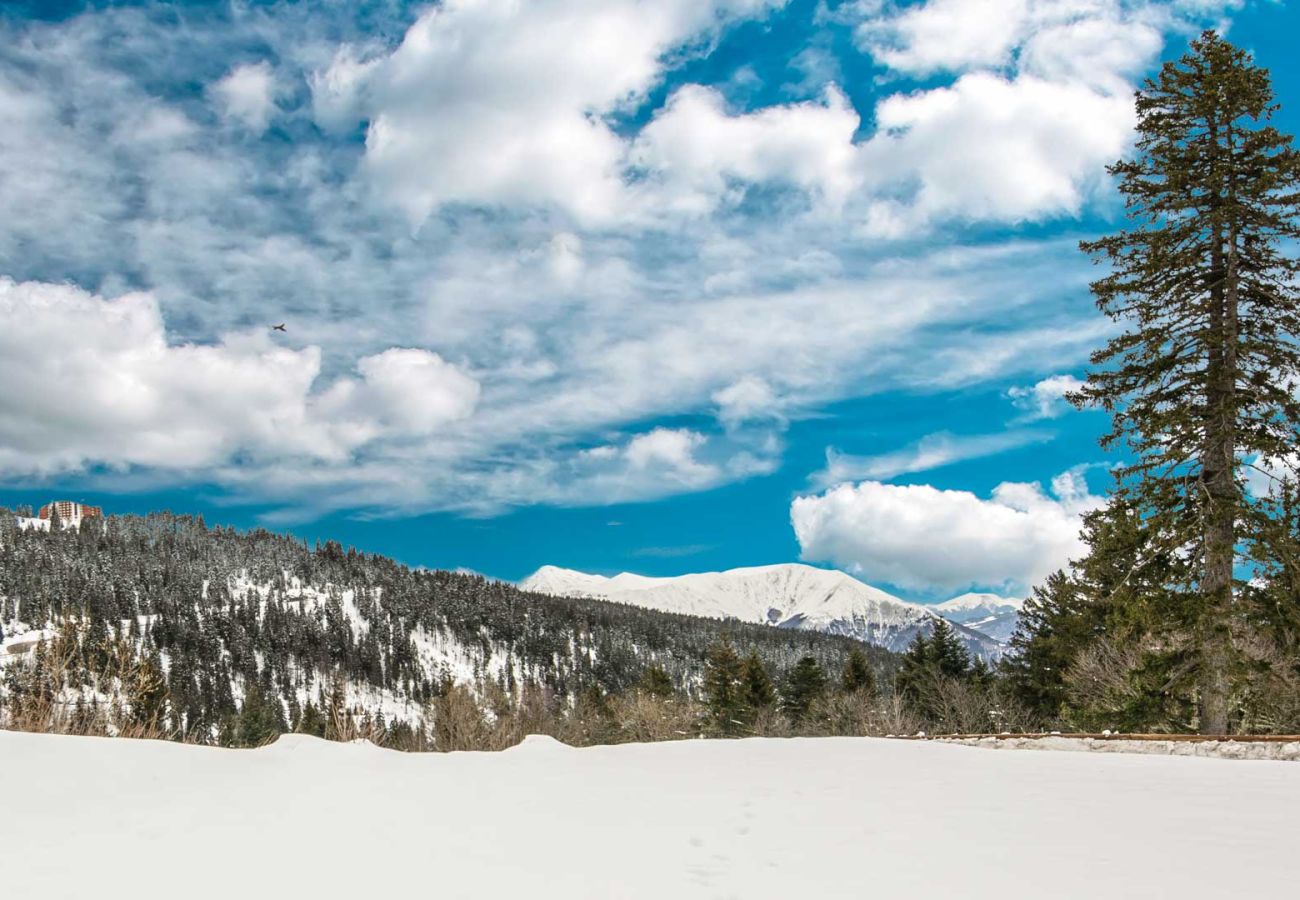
{"points": [[814, 818]]}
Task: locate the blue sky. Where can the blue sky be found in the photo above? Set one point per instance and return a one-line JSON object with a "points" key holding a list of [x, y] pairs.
{"points": [[660, 287]]}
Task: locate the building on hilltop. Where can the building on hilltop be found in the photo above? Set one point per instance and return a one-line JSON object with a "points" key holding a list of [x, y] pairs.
{"points": [[70, 513]]}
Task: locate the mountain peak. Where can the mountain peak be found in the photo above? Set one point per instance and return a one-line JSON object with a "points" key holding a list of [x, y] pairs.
{"points": [[980, 600], [788, 595]]}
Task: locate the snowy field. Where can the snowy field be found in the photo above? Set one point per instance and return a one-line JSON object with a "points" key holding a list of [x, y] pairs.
{"points": [[803, 818]]}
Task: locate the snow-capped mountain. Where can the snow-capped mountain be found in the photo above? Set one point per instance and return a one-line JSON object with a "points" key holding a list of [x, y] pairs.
{"points": [[787, 596], [988, 614]]}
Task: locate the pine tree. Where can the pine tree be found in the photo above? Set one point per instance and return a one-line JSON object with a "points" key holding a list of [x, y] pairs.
{"points": [[805, 684], [259, 719], [311, 721], [857, 675], [722, 693], [947, 654], [656, 683], [756, 690], [915, 668], [1055, 625], [338, 721], [928, 663], [1203, 376]]}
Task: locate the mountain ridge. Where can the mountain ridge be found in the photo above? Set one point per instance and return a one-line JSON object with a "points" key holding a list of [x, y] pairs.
{"points": [[786, 595]]}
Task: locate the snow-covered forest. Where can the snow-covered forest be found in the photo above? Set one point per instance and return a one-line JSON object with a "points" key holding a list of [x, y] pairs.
{"points": [[163, 620]]}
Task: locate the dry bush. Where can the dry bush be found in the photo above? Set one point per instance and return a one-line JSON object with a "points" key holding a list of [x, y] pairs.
{"points": [[972, 708], [536, 712], [459, 723], [643, 717], [1139, 685], [863, 713], [844, 714], [347, 725], [52, 693], [589, 721], [1271, 695], [771, 722], [1100, 676], [895, 717], [492, 719], [509, 720]]}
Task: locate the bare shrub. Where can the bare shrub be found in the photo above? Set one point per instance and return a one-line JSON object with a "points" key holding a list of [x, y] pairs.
{"points": [[459, 723], [895, 717], [967, 707], [53, 692], [1270, 702], [644, 717], [1138, 685], [855, 713]]}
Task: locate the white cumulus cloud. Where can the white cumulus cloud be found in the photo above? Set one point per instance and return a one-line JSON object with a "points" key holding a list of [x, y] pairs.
{"points": [[504, 103], [939, 35], [991, 148], [94, 381], [696, 150], [1041, 101], [922, 538]]}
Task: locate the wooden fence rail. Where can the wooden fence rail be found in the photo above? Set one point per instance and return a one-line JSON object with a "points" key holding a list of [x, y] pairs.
{"points": [[1110, 736]]}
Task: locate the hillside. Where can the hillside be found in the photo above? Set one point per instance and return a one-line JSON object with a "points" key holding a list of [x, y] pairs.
{"points": [[790, 596], [818, 818], [193, 620]]}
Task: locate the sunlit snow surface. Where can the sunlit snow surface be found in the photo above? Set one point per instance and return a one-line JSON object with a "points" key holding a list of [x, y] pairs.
{"points": [[803, 818]]}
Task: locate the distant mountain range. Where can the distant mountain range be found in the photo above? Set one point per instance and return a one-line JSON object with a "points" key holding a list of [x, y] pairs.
{"points": [[986, 613], [799, 597]]}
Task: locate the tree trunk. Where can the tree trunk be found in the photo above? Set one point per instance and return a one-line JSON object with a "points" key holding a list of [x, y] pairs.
{"points": [[1218, 467]]}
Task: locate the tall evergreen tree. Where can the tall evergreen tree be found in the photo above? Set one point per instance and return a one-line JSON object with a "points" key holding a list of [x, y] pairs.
{"points": [[1203, 376], [722, 687], [756, 688], [805, 684], [915, 669], [258, 721], [857, 675], [947, 653], [931, 661]]}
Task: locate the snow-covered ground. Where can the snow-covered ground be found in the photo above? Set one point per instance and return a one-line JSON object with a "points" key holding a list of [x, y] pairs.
{"points": [[814, 818]]}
